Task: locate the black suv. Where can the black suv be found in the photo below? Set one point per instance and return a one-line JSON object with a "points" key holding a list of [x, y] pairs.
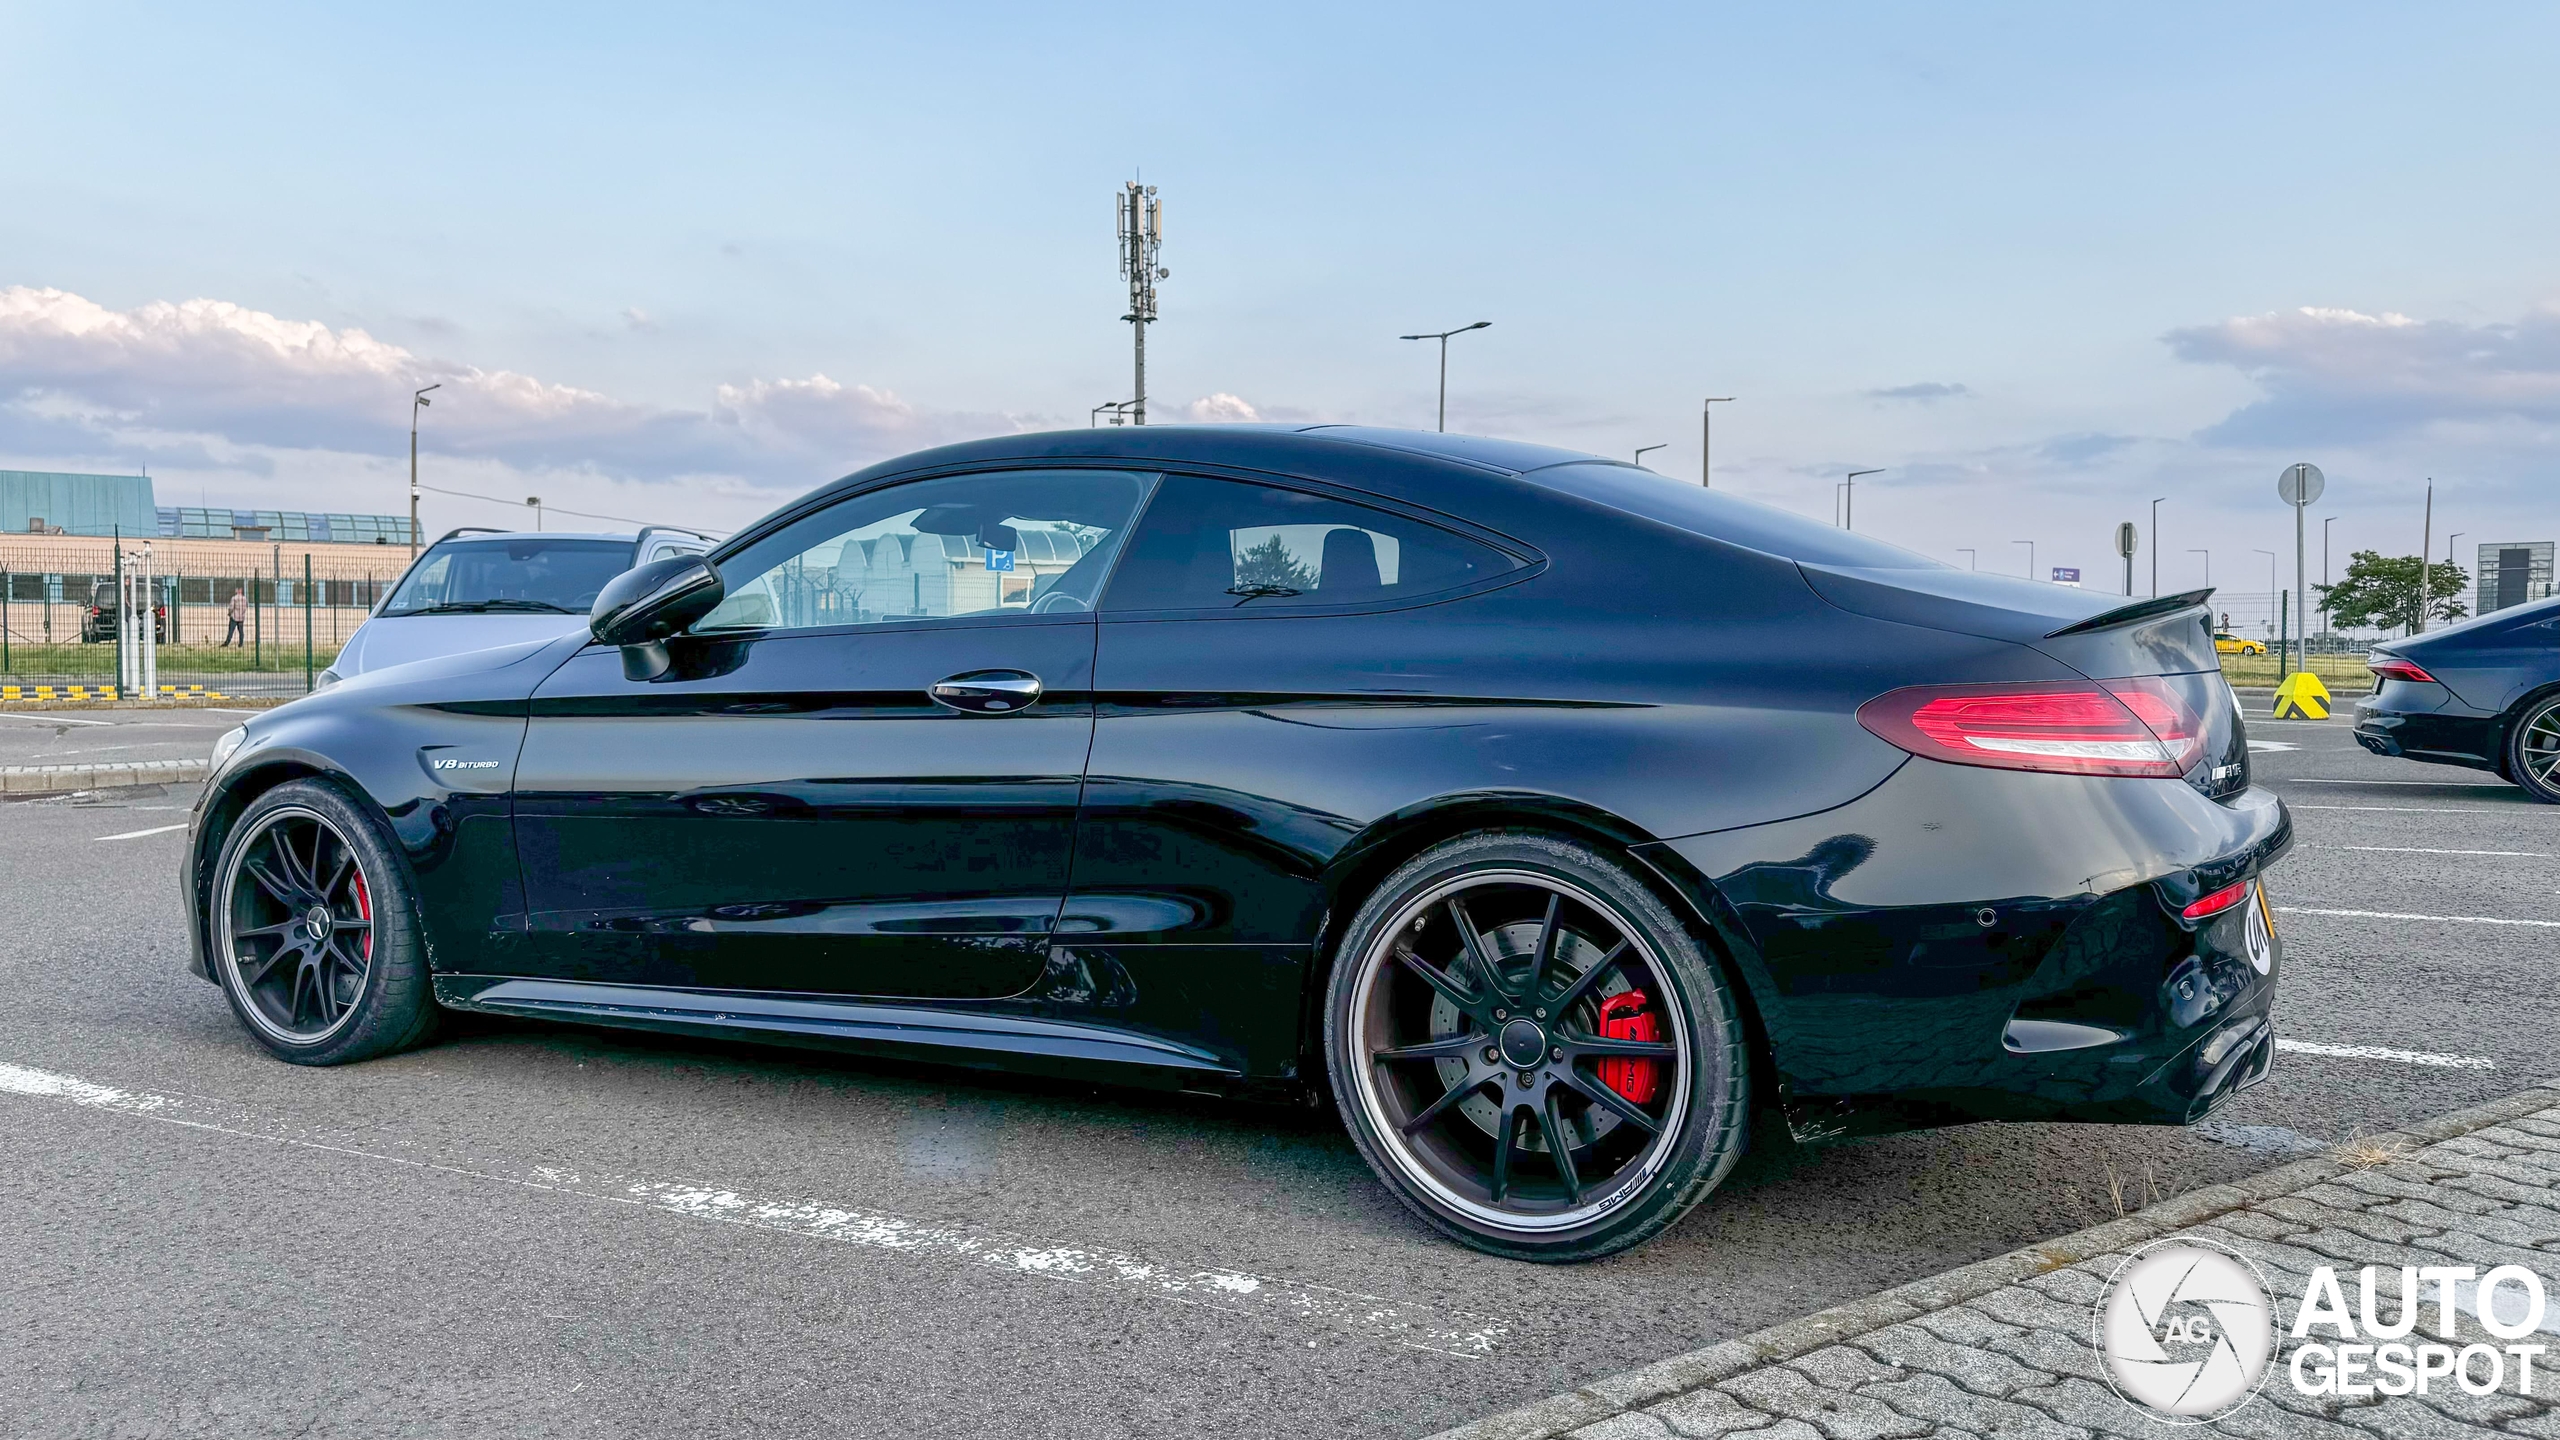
{"points": [[98, 622]]}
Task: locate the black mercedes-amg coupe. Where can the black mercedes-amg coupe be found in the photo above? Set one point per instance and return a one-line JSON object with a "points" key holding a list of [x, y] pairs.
{"points": [[1551, 816]]}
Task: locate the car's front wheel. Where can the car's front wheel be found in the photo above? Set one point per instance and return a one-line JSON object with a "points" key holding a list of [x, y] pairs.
{"points": [[314, 936], [1532, 1051], [2533, 750]]}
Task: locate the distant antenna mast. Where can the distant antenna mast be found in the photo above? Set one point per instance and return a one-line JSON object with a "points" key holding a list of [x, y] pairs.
{"points": [[1141, 220]]}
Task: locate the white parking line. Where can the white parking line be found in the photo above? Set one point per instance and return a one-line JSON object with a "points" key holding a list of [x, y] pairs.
{"points": [[42, 718], [2423, 809], [2397, 915], [2383, 1052], [1420, 1327], [2324, 780], [2419, 850], [138, 834]]}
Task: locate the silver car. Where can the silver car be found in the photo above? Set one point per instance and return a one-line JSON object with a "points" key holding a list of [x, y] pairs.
{"points": [[476, 589]]}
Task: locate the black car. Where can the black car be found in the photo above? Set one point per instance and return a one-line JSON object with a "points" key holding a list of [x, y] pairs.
{"points": [[2484, 693], [1550, 815], [99, 620]]}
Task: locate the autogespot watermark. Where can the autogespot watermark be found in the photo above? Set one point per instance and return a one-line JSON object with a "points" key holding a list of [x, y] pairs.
{"points": [[2188, 1332]]}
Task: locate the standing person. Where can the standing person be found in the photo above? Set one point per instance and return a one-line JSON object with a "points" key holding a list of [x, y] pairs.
{"points": [[239, 609]]}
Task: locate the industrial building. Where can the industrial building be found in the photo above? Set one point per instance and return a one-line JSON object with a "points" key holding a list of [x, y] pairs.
{"points": [[40, 502], [65, 536]]}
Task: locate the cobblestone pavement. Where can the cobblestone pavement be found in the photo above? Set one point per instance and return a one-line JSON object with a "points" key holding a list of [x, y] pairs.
{"points": [[2004, 1349]]}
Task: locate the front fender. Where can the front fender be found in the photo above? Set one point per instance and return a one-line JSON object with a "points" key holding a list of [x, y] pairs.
{"points": [[435, 755]]}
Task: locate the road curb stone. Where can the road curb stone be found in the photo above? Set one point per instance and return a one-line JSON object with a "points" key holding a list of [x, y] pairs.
{"points": [[1627, 1394], [59, 779]]}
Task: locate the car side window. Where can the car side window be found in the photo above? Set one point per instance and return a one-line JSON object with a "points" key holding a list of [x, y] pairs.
{"points": [[1229, 544], [1004, 542]]}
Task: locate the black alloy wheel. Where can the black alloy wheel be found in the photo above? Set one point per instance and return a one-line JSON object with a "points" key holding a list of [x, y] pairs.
{"points": [[313, 934], [1532, 1051], [2533, 750]]}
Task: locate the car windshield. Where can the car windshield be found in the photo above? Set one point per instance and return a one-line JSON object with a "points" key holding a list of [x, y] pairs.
{"points": [[519, 574]]}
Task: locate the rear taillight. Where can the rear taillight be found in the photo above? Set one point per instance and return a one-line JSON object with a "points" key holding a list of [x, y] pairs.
{"points": [[2217, 902], [2392, 667], [2116, 727]]}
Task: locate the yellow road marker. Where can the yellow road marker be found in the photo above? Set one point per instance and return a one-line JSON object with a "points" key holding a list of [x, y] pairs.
{"points": [[2302, 697]]}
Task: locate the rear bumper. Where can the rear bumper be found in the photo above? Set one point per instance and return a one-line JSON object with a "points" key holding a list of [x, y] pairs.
{"points": [[2444, 736], [1970, 944]]}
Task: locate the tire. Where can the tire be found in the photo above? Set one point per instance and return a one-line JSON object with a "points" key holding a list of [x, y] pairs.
{"points": [[1434, 1009], [2533, 749], [316, 992]]}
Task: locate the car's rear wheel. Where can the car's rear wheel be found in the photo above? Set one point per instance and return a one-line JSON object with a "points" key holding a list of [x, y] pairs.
{"points": [[1532, 1051], [314, 936], [2533, 750]]}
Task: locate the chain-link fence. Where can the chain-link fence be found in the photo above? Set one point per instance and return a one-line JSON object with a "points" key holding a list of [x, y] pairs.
{"points": [[2263, 639], [223, 624]]}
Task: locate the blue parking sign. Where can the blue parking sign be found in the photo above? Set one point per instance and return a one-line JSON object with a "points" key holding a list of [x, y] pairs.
{"points": [[999, 559]]}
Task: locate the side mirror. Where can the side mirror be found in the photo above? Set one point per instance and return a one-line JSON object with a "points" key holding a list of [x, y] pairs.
{"points": [[641, 607]]}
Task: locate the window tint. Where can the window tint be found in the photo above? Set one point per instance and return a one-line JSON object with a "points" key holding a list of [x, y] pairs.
{"points": [[1221, 544], [1036, 541], [520, 573]]}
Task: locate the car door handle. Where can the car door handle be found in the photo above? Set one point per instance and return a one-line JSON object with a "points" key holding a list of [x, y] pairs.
{"points": [[987, 692]]}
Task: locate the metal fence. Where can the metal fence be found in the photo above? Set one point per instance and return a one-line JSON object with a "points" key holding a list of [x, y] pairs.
{"points": [[64, 631]]}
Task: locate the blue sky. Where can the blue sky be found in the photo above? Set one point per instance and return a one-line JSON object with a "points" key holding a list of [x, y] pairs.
{"points": [[2042, 263]]}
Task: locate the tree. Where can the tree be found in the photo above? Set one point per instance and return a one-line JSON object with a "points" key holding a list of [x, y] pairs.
{"points": [[1270, 567], [2384, 591]]}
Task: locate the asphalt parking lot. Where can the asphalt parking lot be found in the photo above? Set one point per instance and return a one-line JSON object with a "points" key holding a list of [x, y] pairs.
{"points": [[111, 737], [529, 1230]]}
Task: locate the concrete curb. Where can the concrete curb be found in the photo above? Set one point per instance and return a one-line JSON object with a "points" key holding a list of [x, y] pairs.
{"points": [[1558, 1415], [58, 779]]}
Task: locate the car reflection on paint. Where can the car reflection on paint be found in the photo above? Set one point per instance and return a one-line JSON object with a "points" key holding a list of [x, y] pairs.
{"points": [[1558, 822]]}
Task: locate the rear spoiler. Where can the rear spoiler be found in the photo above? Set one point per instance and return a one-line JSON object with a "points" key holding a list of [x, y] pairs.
{"points": [[2138, 610]]}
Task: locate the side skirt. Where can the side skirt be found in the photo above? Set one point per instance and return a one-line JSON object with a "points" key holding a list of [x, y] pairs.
{"points": [[917, 1032]]}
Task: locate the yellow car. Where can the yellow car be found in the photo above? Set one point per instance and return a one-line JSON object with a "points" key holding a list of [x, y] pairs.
{"points": [[2226, 643]]}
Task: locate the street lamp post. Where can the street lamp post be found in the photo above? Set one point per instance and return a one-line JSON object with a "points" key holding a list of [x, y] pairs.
{"points": [[1849, 511], [1707, 440], [1641, 449], [2274, 585], [2426, 557], [2031, 556], [536, 502], [2324, 572], [2208, 566], [1972, 561], [1443, 337], [417, 402], [2155, 547]]}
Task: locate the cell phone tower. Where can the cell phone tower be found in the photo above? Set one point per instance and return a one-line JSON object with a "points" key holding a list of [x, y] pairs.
{"points": [[1141, 220]]}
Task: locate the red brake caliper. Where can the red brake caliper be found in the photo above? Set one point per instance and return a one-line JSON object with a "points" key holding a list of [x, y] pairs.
{"points": [[364, 908], [1628, 1015]]}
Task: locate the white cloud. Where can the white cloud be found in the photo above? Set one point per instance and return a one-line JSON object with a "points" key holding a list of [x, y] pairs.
{"points": [[2333, 375], [1926, 392], [220, 372], [1221, 409]]}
